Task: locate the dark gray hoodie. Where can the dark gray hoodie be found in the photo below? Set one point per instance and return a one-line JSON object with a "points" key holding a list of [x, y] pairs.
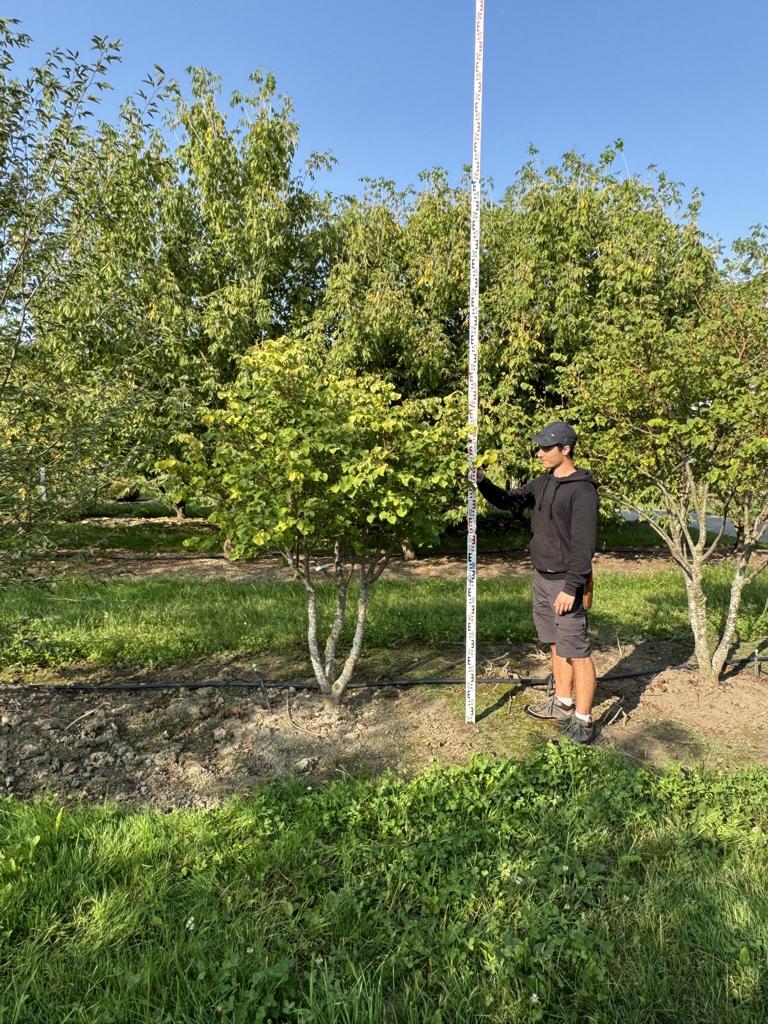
{"points": [[563, 522]]}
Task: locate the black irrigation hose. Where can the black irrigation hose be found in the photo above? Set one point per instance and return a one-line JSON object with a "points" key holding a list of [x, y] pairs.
{"points": [[263, 686], [243, 684]]}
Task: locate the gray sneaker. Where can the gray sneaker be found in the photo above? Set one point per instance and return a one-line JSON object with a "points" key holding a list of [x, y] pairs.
{"points": [[550, 711], [577, 731]]}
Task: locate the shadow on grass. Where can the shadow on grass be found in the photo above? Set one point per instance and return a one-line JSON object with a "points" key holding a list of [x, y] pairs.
{"points": [[504, 701], [630, 676], [607, 893], [661, 741]]}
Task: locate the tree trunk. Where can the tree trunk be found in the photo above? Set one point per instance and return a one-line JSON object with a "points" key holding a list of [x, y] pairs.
{"points": [[314, 647], [340, 685], [324, 668], [691, 554], [336, 628], [720, 656], [697, 609]]}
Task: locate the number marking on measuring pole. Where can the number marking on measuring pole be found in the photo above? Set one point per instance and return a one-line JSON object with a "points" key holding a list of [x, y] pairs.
{"points": [[474, 344]]}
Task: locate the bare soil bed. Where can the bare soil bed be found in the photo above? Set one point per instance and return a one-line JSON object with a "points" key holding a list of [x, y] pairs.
{"points": [[197, 746], [110, 563]]}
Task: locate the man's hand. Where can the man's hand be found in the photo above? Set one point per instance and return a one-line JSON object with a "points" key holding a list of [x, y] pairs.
{"points": [[480, 473], [563, 603]]}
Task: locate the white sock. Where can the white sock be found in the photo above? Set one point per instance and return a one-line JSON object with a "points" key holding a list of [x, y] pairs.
{"points": [[567, 701], [584, 718]]}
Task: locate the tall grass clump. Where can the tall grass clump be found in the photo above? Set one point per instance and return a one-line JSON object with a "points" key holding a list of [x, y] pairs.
{"points": [[569, 887]]}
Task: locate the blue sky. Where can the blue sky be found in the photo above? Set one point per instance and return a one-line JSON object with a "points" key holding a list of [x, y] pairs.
{"points": [[387, 86]]}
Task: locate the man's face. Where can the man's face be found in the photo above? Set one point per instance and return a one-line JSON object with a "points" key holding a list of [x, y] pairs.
{"points": [[551, 456]]}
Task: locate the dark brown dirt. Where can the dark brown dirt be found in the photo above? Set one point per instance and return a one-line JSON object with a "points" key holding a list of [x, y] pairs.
{"points": [[196, 747], [679, 719], [117, 564]]}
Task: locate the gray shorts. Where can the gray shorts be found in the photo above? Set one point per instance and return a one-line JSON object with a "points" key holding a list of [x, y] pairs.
{"points": [[567, 632]]}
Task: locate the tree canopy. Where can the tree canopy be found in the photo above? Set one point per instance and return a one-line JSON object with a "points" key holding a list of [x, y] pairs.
{"points": [[177, 292], [313, 464], [676, 419], [60, 419]]}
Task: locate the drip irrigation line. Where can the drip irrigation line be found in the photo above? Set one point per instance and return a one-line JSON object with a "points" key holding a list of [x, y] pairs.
{"points": [[264, 685], [245, 684]]}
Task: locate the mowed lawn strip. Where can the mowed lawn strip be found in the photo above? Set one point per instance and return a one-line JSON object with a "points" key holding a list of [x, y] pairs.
{"points": [[496, 533], [149, 536], [150, 623], [568, 887]]}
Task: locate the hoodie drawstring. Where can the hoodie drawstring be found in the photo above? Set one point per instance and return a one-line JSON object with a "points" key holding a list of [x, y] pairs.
{"points": [[544, 490]]}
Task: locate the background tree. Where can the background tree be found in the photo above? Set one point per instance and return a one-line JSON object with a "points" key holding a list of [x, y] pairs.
{"points": [[395, 302], [195, 252], [572, 247], [674, 418], [309, 462], [53, 416]]}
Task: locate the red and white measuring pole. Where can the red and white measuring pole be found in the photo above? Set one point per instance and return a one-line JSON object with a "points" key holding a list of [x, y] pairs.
{"points": [[474, 344]]}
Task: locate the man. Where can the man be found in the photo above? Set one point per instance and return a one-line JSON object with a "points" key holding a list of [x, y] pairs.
{"points": [[564, 526]]}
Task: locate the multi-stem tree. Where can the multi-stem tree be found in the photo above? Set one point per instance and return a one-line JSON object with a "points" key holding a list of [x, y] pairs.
{"points": [[329, 467], [674, 419]]}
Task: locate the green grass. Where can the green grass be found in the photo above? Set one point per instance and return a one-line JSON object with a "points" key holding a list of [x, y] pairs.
{"points": [[148, 509], [497, 531], [145, 537], [163, 621], [566, 888], [502, 532]]}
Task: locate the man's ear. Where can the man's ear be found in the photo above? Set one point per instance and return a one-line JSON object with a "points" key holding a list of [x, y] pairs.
{"points": [[566, 449]]}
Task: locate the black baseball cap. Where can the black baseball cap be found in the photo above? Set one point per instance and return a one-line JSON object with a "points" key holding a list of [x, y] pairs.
{"points": [[555, 433]]}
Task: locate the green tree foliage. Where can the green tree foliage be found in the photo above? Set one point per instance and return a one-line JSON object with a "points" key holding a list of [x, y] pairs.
{"points": [[569, 249], [56, 416], [196, 252], [674, 415], [396, 296], [314, 463], [258, 258]]}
